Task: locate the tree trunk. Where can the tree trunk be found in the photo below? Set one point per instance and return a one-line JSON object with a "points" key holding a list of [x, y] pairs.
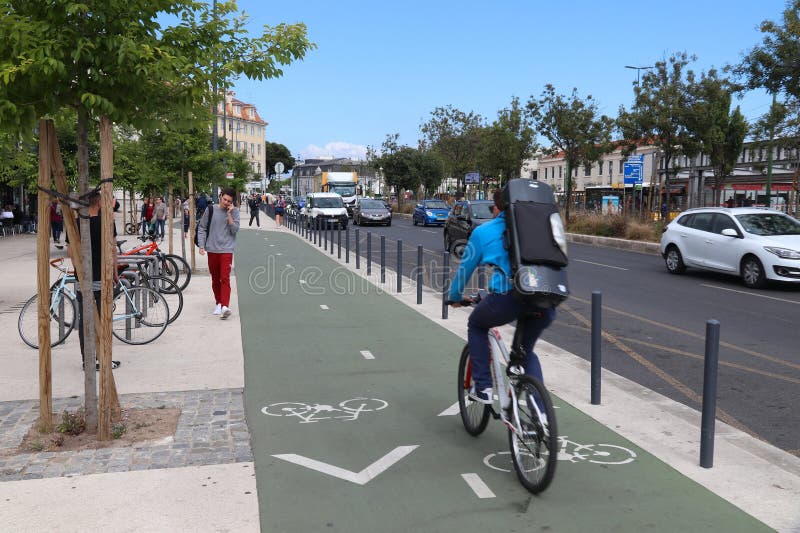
{"points": [[89, 308], [43, 270]]}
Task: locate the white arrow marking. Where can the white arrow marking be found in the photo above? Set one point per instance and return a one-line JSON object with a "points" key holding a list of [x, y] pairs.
{"points": [[324, 307], [359, 478], [367, 354], [477, 485], [452, 410]]}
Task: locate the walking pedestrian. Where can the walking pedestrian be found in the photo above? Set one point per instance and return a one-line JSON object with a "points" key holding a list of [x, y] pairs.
{"points": [[147, 213], [279, 207], [185, 221], [159, 216], [56, 223], [220, 242], [255, 206]]}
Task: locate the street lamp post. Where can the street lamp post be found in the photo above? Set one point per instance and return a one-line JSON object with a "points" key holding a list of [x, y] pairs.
{"points": [[633, 192]]}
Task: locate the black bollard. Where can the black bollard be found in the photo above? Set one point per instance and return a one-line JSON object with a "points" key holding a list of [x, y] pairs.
{"points": [[708, 419], [339, 243], [369, 253], [332, 225], [445, 283], [325, 236], [347, 245], [358, 251], [597, 332], [399, 265], [383, 259], [481, 277], [419, 274]]}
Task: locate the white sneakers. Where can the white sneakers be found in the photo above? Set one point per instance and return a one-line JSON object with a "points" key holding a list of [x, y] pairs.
{"points": [[225, 312], [218, 309], [483, 396]]}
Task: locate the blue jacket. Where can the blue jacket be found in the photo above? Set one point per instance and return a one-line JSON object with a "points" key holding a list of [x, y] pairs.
{"points": [[485, 247]]}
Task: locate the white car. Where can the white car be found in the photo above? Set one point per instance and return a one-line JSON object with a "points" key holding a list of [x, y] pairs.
{"points": [[757, 244], [323, 209]]}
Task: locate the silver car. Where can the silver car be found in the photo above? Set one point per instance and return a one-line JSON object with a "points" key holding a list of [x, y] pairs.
{"points": [[757, 244]]}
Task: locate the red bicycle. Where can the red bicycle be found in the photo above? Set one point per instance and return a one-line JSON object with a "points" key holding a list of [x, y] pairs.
{"points": [[172, 266]]}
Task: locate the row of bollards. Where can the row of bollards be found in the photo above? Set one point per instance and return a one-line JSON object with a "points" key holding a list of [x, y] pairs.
{"points": [[710, 366]]}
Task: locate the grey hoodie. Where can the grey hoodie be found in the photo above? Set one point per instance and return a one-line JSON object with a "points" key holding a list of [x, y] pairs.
{"points": [[221, 237]]}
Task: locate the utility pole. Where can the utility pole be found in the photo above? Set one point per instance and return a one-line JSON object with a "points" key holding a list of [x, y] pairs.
{"points": [[771, 146]]}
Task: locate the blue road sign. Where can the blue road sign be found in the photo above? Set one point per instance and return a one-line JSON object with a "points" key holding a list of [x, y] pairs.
{"points": [[632, 170], [472, 177]]}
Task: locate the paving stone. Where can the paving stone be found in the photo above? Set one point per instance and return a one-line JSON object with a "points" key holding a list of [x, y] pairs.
{"points": [[211, 430]]}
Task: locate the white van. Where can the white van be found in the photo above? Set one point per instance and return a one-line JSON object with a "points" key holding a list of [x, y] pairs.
{"points": [[323, 208]]}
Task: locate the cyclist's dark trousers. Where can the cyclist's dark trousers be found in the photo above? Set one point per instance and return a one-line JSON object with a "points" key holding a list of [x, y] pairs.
{"points": [[254, 215], [80, 316], [496, 310]]}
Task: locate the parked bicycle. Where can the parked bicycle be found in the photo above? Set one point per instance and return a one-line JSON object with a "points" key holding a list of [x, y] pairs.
{"points": [[139, 314], [172, 266], [522, 404]]}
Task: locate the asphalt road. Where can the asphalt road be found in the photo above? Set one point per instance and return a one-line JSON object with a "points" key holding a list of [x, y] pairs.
{"points": [[654, 327]]}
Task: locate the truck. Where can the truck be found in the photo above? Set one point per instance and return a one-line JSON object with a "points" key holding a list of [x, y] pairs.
{"points": [[345, 184]]}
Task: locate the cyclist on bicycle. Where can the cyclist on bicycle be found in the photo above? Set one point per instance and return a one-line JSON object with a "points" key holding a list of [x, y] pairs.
{"points": [[486, 247]]}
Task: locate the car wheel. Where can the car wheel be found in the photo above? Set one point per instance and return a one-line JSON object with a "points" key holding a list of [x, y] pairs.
{"points": [[458, 249], [753, 275], [674, 260], [388, 223]]}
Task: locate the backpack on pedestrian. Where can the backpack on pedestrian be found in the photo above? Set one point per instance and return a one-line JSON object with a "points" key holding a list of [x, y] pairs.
{"points": [[536, 243], [210, 210]]}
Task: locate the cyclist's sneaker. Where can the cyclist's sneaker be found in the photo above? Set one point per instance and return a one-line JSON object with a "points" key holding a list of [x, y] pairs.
{"points": [[225, 312], [484, 396], [218, 309]]}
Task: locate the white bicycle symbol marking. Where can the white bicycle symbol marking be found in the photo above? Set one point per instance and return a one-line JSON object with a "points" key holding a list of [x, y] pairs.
{"points": [[309, 413], [602, 454]]}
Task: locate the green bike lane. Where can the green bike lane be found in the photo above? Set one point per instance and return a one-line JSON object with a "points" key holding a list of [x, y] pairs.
{"points": [[395, 456]]}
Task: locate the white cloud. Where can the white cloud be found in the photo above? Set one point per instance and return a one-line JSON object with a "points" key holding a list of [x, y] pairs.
{"points": [[334, 149]]}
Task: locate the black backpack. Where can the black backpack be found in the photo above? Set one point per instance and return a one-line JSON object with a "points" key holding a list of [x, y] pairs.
{"points": [[536, 243], [210, 210]]}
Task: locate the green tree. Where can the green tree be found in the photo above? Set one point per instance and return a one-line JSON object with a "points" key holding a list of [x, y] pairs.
{"points": [[660, 114], [455, 136], [719, 130], [275, 152], [507, 142], [573, 126]]}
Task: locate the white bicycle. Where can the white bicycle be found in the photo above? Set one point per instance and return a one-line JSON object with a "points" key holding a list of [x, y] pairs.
{"points": [[347, 410], [522, 404]]}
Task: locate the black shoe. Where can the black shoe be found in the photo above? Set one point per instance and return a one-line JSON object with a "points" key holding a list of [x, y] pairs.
{"points": [[114, 365]]}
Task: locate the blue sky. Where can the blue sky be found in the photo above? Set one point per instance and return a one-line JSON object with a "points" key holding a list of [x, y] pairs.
{"points": [[381, 68]]}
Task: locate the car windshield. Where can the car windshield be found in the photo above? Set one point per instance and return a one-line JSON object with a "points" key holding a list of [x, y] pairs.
{"points": [[482, 211], [328, 202], [372, 204], [436, 205], [344, 190], [769, 224]]}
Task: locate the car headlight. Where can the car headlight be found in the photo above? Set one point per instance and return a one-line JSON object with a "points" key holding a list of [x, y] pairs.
{"points": [[783, 253], [429, 213], [558, 232]]}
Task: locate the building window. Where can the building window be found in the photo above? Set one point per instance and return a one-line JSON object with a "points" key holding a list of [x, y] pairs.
{"points": [[587, 170], [610, 169], [559, 172], [621, 168], [600, 168], [252, 149], [259, 149]]}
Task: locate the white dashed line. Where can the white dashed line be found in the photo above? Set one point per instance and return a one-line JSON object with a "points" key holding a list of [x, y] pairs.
{"points": [[302, 282], [750, 294], [367, 354], [600, 264], [324, 307], [477, 485]]}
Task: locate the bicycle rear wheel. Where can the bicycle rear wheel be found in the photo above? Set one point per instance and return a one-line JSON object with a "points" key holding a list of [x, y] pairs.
{"points": [[140, 315], [184, 272], [474, 415], [61, 305], [534, 438]]}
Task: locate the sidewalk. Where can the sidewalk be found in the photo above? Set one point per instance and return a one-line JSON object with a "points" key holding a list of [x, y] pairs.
{"points": [[203, 478]]}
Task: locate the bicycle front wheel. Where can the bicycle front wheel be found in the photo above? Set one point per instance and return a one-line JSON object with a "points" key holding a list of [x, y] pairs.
{"points": [[184, 272], [533, 439], [63, 318], [140, 315], [474, 415]]}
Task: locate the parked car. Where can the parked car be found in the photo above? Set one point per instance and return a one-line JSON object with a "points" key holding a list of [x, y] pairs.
{"points": [[292, 208], [371, 211], [757, 244], [323, 208], [464, 217], [430, 212]]}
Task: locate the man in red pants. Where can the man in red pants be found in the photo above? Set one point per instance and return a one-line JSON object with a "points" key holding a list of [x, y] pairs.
{"points": [[218, 238]]}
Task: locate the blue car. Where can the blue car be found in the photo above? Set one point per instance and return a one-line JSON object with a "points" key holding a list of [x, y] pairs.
{"points": [[430, 212]]}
